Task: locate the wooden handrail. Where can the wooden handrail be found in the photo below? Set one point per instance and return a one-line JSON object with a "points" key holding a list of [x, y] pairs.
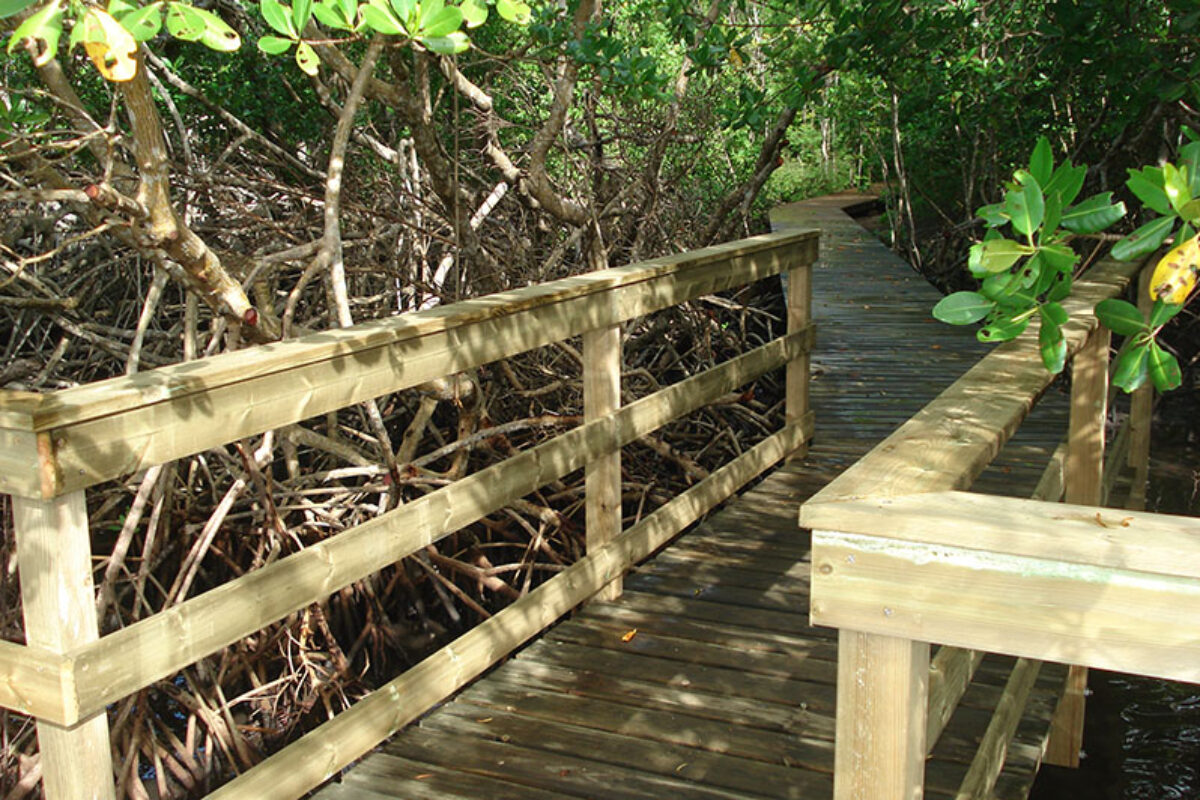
{"points": [[52, 447]]}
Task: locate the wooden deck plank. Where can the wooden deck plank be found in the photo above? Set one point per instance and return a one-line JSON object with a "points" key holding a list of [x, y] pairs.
{"points": [[705, 679]]}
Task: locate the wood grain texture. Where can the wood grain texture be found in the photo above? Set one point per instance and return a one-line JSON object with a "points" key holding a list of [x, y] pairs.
{"points": [[602, 477], [58, 599]]}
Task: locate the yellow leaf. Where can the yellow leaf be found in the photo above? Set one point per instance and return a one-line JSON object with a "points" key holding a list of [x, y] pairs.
{"points": [[1175, 275], [735, 58], [111, 47]]}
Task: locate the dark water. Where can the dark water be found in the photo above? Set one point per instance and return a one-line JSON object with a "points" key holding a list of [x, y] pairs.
{"points": [[1142, 736]]}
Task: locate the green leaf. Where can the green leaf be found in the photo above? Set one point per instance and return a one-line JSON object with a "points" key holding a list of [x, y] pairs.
{"points": [[1120, 317], [444, 23], [306, 58], [1031, 273], [1025, 204], [993, 215], [1189, 158], [1003, 329], [1060, 257], [405, 12], [1191, 210], [1145, 239], [1060, 287], [1054, 312], [275, 45], [1129, 368], [331, 16], [185, 22], [381, 19], [1053, 218], [1042, 161], [995, 255], [447, 45], [428, 10], [143, 23], [1000, 285], [1052, 346], [1162, 313], [514, 11], [1147, 186], [301, 11], [1066, 182], [44, 29], [1164, 369], [1175, 185], [217, 34], [475, 12], [1093, 215], [278, 17], [10, 7], [962, 308]]}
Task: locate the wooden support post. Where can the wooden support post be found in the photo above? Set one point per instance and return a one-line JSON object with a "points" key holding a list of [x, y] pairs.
{"points": [[882, 701], [1085, 486], [602, 477], [1141, 410], [54, 555], [799, 314]]}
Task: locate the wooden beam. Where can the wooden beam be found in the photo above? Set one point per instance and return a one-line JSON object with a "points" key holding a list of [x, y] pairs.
{"points": [[989, 758], [37, 682], [602, 477], [54, 554], [799, 317], [1163, 544], [882, 699], [118, 427], [950, 674], [133, 657], [1097, 616], [320, 754]]}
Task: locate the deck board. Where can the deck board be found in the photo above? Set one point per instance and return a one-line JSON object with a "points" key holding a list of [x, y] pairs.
{"points": [[705, 680]]}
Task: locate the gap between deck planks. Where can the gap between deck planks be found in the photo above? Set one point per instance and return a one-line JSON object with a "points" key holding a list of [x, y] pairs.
{"points": [[725, 691]]}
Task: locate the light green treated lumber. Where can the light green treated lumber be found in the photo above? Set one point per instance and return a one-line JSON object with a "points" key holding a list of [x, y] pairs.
{"points": [[993, 749], [37, 682], [115, 428], [134, 657], [1108, 617], [319, 755], [602, 477], [1111, 538]]}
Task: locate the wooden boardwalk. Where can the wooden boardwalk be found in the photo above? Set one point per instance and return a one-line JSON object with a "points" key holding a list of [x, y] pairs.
{"points": [[705, 679]]}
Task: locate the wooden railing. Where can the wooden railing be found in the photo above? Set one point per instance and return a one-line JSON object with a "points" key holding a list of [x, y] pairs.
{"points": [[903, 557], [54, 446]]}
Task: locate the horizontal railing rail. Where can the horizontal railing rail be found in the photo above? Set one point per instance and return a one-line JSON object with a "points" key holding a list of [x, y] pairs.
{"points": [[904, 557], [57, 445]]}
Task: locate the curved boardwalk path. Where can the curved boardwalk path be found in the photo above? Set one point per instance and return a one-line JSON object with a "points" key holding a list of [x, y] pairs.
{"points": [[725, 691]]}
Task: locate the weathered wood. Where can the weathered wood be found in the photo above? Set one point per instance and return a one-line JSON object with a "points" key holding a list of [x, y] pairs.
{"points": [[989, 759], [54, 556], [602, 477], [950, 673], [1119, 619], [322, 752], [117, 427], [883, 695], [799, 317], [1141, 412], [135, 656], [37, 682]]}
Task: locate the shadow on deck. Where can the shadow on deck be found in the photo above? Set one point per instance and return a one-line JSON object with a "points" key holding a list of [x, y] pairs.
{"points": [[705, 679]]}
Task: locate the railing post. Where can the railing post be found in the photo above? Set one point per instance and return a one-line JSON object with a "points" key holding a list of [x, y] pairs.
{"points": [[882, 704], [1141, 410], [1084, 481], [799, 315], [54, 555], [602, 477]]}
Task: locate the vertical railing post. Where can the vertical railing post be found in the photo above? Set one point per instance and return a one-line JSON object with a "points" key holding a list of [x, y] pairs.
{"points": [[799, 315], [1084, 484], [602, 477], [1141, 410], [54, 556], [882, 705]]}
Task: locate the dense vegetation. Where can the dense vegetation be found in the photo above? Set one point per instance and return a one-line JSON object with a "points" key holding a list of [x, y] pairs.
{"points": [[334, 162]]}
